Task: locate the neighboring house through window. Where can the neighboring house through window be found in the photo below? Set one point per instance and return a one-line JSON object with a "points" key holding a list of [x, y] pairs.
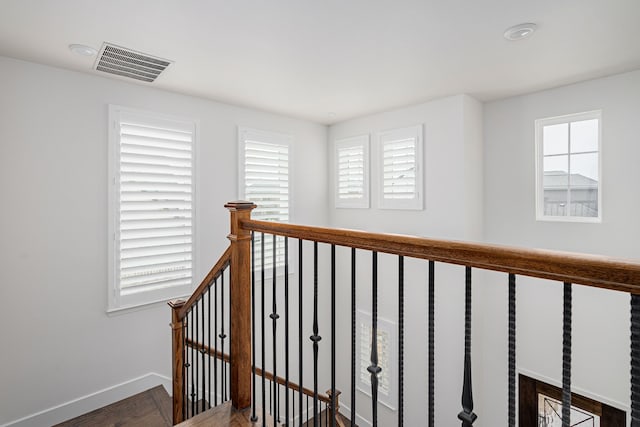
{"points": [[151, 207], [568, 167]]}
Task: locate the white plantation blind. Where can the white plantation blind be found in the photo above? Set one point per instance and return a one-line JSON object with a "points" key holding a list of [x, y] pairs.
{"points": [[387, 359], [264, 180], [352, 170], [153, 198], [400, 157]]}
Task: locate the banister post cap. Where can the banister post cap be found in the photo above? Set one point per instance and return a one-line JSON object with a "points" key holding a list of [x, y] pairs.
{"points": [[240, 205], [177, 303]]}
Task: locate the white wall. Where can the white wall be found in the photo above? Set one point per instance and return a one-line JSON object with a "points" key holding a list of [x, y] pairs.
{"points": [[58, 342], [601, 318], [453, 192]]}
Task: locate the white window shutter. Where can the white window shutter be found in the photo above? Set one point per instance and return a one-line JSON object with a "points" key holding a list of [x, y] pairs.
{"points": [[352, 172], [154, 198], [264, 180], [401, 168]]}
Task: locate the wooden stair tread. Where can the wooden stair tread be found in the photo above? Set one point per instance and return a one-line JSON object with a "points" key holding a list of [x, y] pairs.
{"points": [[341, 420], [225, 415], [149, 408]]}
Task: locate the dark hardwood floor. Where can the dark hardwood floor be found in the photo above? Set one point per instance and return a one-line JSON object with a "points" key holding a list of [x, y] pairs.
{"points": [[150, 408]]}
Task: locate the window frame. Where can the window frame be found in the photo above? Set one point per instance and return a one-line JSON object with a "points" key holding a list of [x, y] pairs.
{"points": [[539, 165], [417, 202], [275, 138], [353, 141], [115, 300]]}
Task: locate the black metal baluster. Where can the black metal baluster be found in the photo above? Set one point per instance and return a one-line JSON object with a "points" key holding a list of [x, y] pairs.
{"points": [[315, 337], [566, 356], [300, 328], [286, 329], [353, 337], [432, 342], [202, 352], [215, 341], [185, 366], [254, 417], [228, 367], [326, 411], [262, 296], [401, 341], [467, 416], [196, 362], [193, 394], [512, 350], [374, 369], [222, 338], [635, 360], [274, 317], [333, 335]]}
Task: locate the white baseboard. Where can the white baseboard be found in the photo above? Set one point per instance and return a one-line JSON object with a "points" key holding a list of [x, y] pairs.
{"points": [[91, 402]]}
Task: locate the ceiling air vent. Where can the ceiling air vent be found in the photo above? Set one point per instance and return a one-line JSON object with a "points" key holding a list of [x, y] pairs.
{"points": [[129, 63]]}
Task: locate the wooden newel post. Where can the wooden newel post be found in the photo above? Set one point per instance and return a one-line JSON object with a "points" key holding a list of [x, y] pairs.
{"points": [[334, 413], [177, 351], [240, 296]]}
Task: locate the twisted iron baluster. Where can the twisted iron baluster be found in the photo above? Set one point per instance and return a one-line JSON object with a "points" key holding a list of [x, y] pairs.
{"points": [[635, 360], [512, 350], [566, 356], [400, 341]]}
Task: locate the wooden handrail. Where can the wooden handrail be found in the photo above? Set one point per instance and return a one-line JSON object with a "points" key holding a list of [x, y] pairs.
{"points": [[590, 270], [268, 375], [215, 271], [179, 310]]}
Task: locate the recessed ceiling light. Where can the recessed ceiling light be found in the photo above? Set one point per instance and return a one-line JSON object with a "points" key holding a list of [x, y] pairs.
{"points": [[82, 50], [519, 32]]}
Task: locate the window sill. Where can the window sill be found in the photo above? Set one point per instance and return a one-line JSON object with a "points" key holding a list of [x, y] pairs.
{"points": [[575, 219]]}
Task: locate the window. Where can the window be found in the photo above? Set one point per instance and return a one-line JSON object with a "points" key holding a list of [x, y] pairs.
{"points": [[151, 207], [400, 154], [264, 180], [387, 359], [568, 168], [352, 172]]}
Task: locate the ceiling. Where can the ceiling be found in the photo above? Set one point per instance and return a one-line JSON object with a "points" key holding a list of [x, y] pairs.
{"points": [[331, 60]]}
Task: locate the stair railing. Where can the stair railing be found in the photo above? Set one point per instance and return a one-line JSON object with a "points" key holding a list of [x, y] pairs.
{"points": [[565, 268], [197, 385]]}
